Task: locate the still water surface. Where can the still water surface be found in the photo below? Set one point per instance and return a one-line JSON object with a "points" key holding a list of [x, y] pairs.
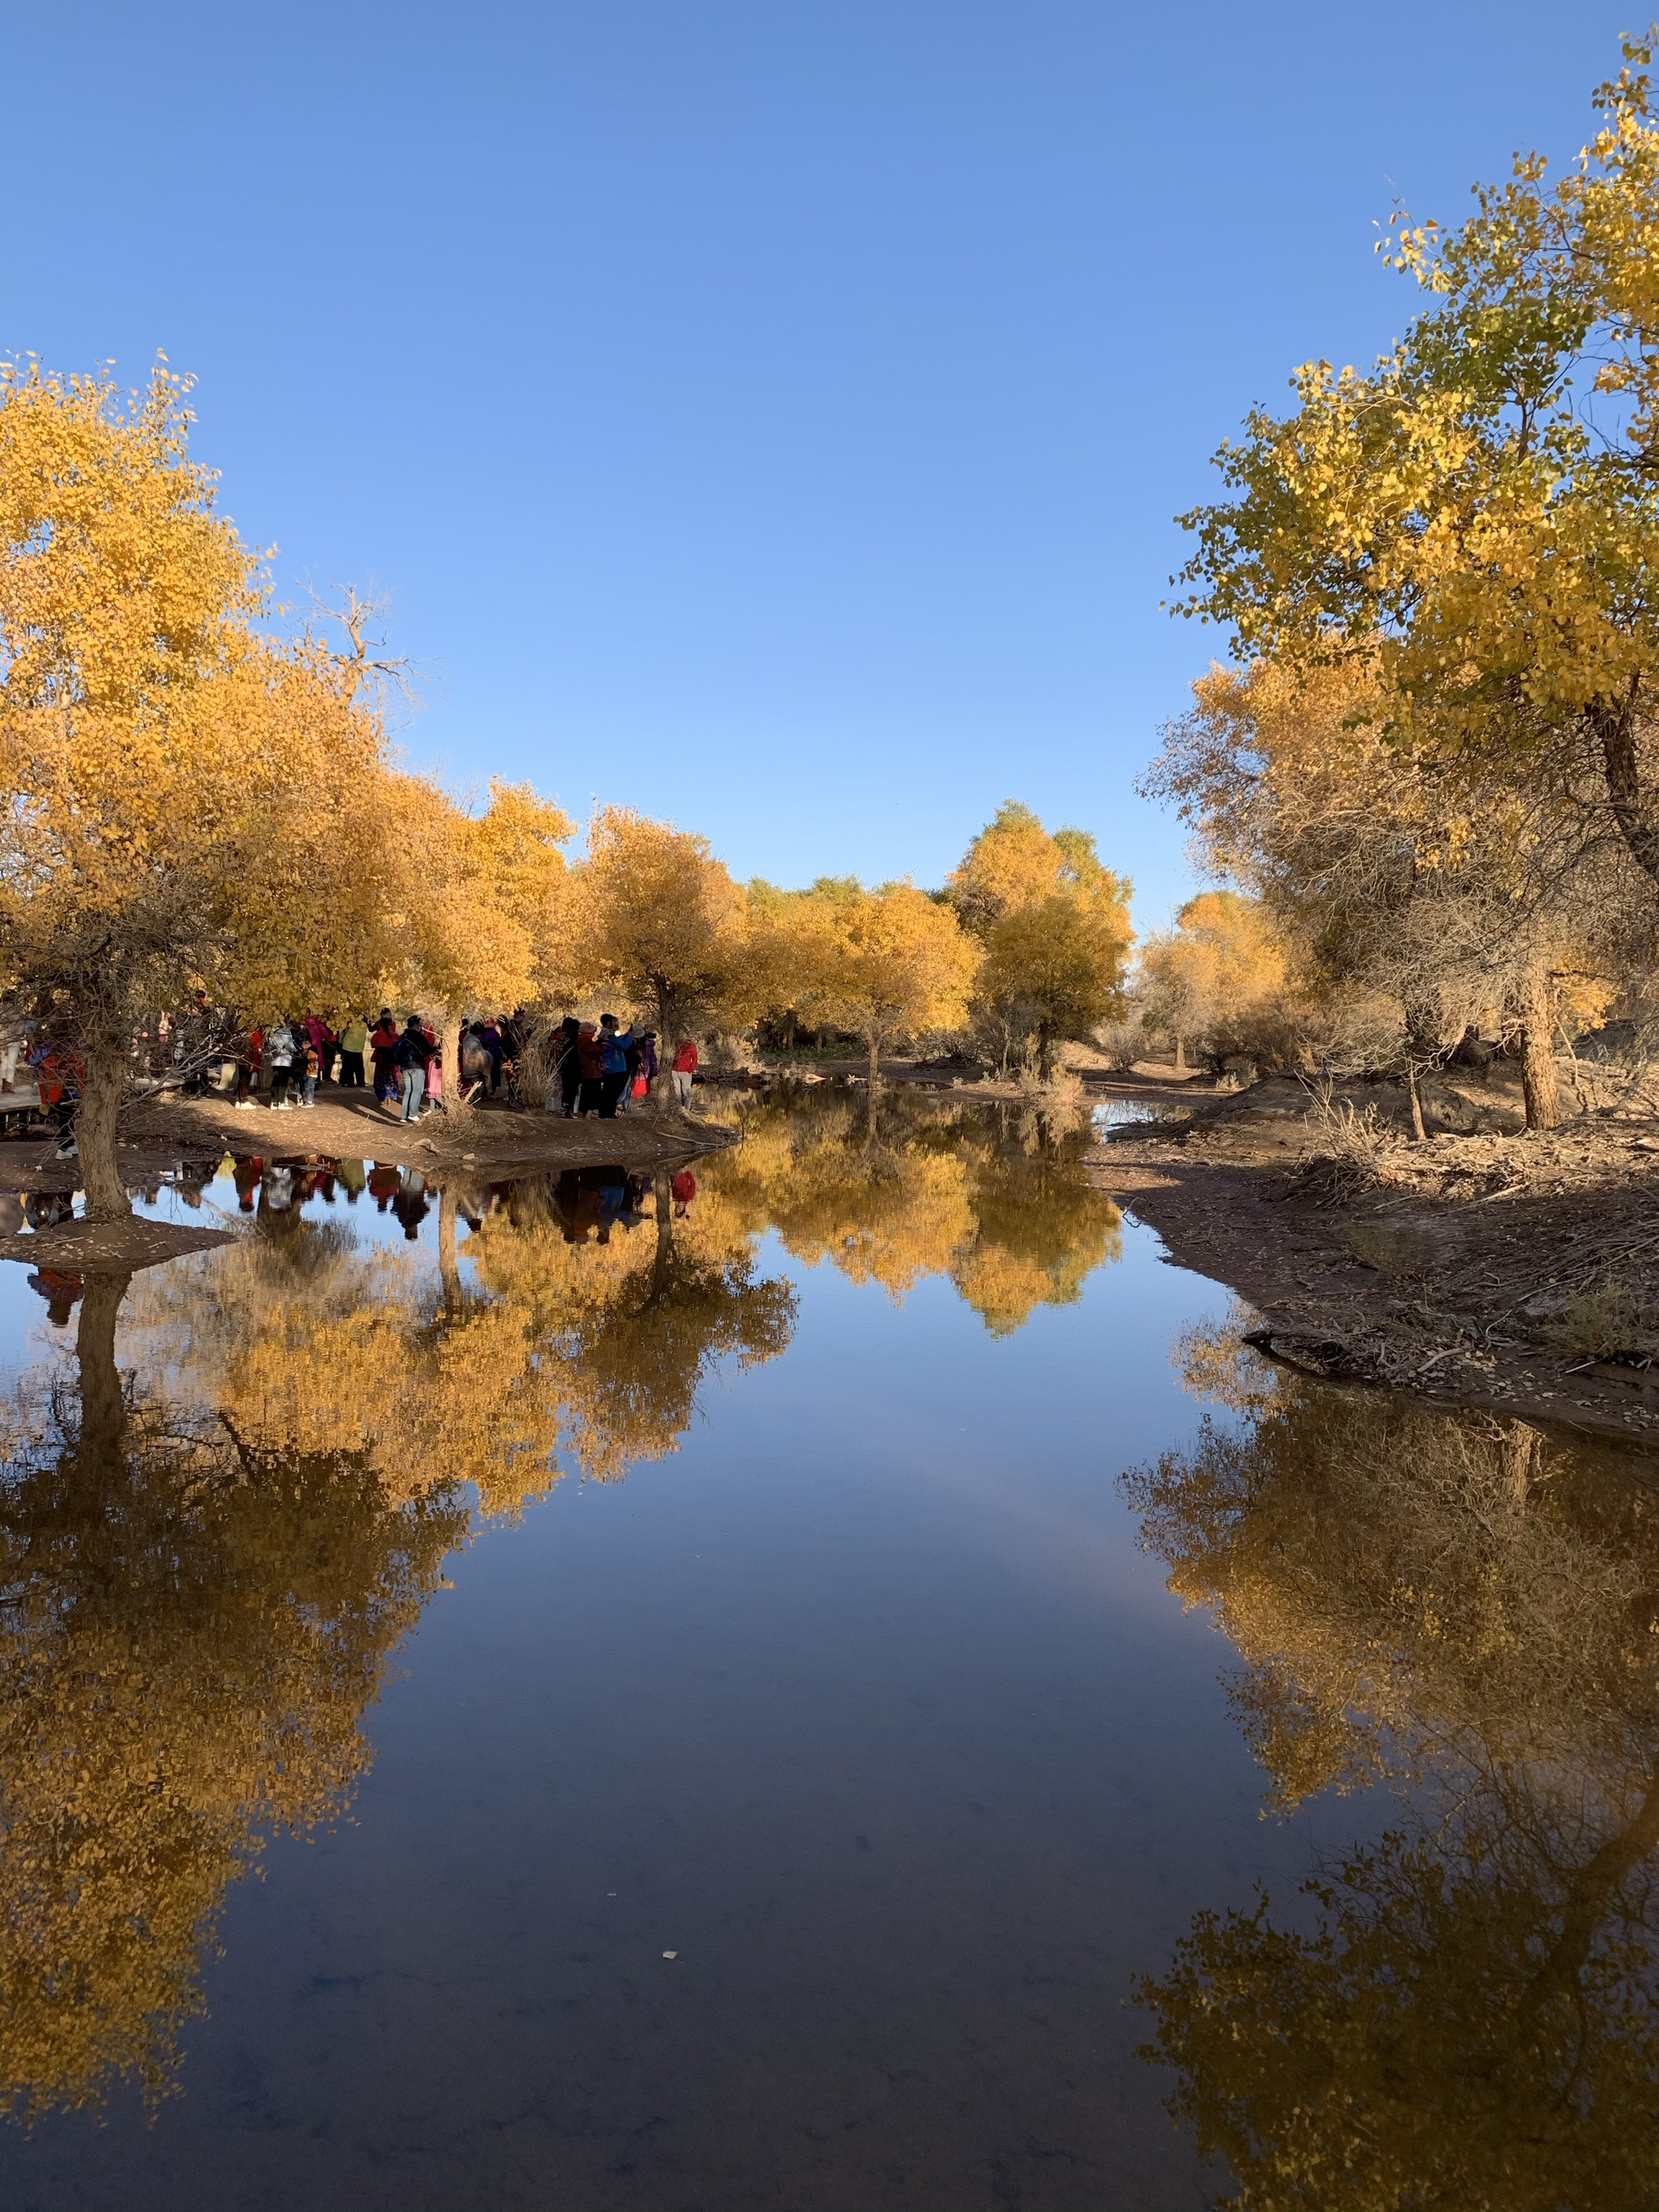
{"points": [[708, 1696]]}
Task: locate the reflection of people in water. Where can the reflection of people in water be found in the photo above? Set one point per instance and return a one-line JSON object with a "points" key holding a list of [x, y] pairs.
{"points": [[382, 1185], [411, 1205], [60, 1290], [190, 1178], [353, 1179], [318, 1182], [683, 1188], [277, 1195], [613, 1197]]}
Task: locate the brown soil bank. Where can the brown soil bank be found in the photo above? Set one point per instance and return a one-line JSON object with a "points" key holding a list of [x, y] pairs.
{"points": [[1488, 1267], [491, 1143]]}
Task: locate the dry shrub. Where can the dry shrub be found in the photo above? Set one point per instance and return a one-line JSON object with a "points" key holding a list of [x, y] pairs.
{"points": [[1601, 1324], [1351, 1144], [1122, 1044], [536, 1068]]}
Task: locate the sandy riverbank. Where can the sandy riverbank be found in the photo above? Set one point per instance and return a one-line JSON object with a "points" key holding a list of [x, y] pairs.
{"points": [[1458, 1268]]}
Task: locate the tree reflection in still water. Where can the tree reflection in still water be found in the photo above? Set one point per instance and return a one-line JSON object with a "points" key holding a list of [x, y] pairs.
{"points": [[894, 1189], [190, 1627], [1466, 1611], [206, 1559]]}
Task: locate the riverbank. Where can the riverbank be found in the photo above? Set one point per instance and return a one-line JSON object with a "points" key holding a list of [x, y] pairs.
{"points": [[1486, 1268], [490, 1144]]}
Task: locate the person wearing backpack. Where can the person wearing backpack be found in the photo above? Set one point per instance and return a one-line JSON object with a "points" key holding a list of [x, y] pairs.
{"points": [[613, 1052], [411, 1056]]}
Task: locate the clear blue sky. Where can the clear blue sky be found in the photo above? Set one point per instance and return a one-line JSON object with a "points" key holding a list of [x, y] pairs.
{"points": [[767, 413]]}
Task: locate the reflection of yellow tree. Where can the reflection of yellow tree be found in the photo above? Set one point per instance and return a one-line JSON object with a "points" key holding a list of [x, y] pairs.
{"points": [[1466, 1610], [628, 1316], [896, 1191], [591, 1327], [191, 1630]]}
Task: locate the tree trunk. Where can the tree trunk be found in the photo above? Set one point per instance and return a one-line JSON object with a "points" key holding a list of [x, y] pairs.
{"points": [[874, 1041], [662, 1187], [449, 1273], [103, 1406], [1615, 729], [1414, 1094], [662, 1091], [1520, 1452], [102, 1087], [1181, 1058], [449, 1048], [1538, 1083], [1045, 1053]]}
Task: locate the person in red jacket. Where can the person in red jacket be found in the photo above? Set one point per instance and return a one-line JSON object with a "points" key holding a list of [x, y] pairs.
{"points": [[683, 1067]]}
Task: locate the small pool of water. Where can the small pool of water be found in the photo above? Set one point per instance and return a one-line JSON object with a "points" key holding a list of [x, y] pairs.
{"points": [[722, 1689]]}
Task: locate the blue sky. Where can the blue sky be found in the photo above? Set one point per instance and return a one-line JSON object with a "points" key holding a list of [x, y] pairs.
{"points": [[769, 415]]}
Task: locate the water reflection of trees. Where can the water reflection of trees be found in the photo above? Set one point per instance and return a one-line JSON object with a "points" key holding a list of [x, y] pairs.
{"points": [[580, 1339], [190, 1626], [205, 1561], [204, 1567], [1467, 1612], [907, 1186]]}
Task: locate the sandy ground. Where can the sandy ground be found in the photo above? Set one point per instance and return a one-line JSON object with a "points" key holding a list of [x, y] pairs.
{"points": [[1453, 1272]]}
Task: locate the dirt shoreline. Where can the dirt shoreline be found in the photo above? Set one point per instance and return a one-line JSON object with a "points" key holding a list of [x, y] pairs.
{"points": [[492, 1144], [1452, 1275]]}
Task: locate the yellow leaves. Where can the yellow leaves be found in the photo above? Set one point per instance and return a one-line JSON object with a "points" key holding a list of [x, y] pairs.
{"points": [[878, 963], [1014, 862], [659, 916]]}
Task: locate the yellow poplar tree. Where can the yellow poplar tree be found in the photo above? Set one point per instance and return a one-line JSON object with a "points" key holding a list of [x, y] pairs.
{"points": [[883, 964], [1478, 513], [661, 919], [181, 795], [1204, 978], [483, 901], [1054, 923]]}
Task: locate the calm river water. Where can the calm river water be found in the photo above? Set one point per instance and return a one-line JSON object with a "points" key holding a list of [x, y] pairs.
{"points": [[775, 1688]]}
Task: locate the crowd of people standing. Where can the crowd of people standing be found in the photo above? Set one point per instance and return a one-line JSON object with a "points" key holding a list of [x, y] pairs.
{"points": [[597, 1068]]}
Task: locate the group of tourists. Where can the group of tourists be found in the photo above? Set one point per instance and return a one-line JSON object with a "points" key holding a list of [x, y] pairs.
{"points": [[403, 1061], [599, 1067]]}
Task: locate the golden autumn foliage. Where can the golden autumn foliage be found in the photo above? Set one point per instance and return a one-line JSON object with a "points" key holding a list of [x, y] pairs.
{"points": [[660, 919], [1015, 863], [1466, 536], [1406, 907], [1466, 510], [155, 753], [899, 1191], [1216, 976], [1052, 924], [883, 964], [1051, 970]]}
